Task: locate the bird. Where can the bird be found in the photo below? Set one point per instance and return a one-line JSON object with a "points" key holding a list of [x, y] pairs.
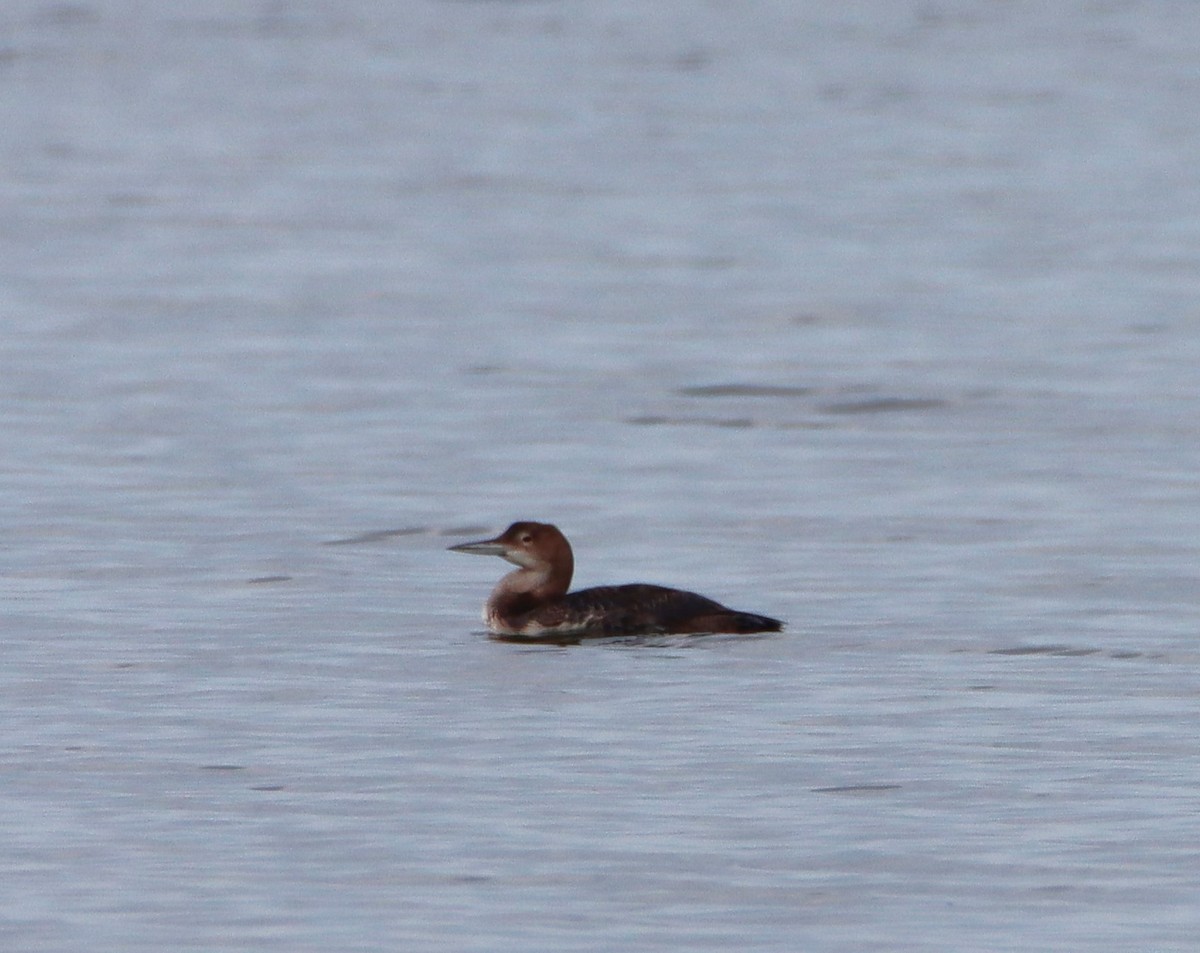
{"points": [[533, 600]]}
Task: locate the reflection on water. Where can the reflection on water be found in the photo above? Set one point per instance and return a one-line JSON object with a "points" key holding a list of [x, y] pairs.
{"points": [[691, 640]]}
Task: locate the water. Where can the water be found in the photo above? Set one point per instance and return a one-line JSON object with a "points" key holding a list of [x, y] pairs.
{"points": [[881, 320]]}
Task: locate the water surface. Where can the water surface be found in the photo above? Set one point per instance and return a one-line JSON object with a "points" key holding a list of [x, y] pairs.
{"points": [[878, 320]]}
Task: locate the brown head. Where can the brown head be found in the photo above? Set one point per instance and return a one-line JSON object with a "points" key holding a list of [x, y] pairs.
{"points": [[541, 551]]}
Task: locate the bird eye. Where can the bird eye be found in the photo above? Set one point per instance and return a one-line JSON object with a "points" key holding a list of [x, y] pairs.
{"points": [[527, 538]]}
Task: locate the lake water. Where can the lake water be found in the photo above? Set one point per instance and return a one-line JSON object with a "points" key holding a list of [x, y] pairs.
{"points": [[881, 318]]}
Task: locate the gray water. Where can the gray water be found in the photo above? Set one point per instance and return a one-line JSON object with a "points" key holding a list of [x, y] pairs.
{"points": [[877, 317]]}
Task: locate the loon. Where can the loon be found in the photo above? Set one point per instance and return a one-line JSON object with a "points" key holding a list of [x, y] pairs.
{"points": [[533, 602]]}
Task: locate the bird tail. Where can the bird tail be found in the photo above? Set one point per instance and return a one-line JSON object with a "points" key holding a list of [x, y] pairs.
{"points": [[739, 623], [749, 622]]}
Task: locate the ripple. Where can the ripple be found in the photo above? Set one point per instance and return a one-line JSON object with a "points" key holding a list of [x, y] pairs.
{"points": [[857, 789], [374, 536], [884, 405], [1056, 650], [743, 390], [655, 420]]}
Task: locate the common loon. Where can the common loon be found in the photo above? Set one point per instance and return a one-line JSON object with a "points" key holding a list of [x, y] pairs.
{"points": [[533, 601]]}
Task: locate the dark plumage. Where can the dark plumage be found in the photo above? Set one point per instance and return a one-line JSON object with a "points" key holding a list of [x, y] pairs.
{"points": [[534, 601]]}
